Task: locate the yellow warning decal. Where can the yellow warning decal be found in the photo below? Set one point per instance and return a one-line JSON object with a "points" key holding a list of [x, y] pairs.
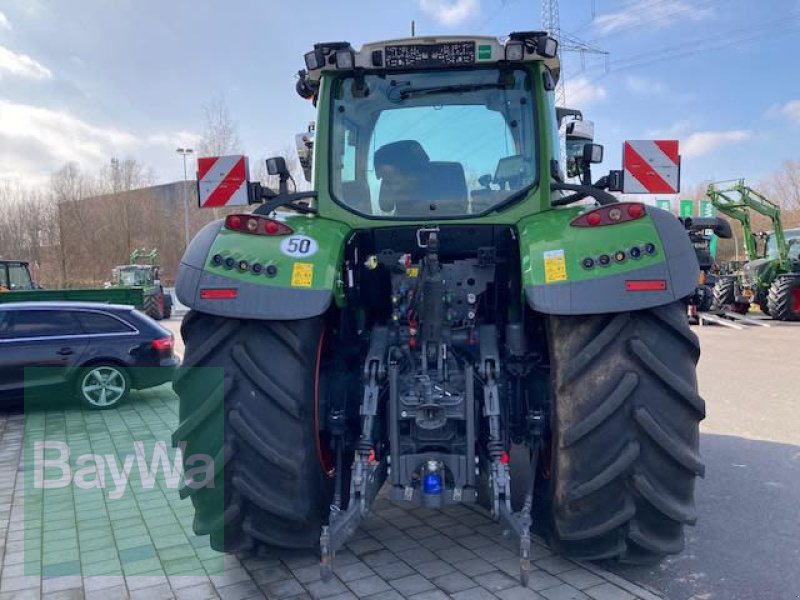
{"points": [[412, 271], [302, 274], [555, 266]]}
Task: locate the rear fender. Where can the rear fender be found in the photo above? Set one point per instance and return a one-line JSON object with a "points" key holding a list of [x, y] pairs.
{"points": [[556, 281], [298, 278]]}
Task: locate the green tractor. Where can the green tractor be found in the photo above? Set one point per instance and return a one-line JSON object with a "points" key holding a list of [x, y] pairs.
{"points": [[15, 276], [144, 271], [438, 314], [770, 279]]}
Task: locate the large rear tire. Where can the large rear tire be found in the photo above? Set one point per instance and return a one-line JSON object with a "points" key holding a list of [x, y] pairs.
{"points": [[276, 491], [625, 433], [152, 307], [784, 298], [724, 293]]}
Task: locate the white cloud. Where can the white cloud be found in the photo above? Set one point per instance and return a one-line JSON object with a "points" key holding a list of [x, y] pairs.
{"points": [[649, 13], [644, 86], [4, 23], [450, 12], [580, 92], [21, 65], [703, 142], [791, 109], [36, 141]]}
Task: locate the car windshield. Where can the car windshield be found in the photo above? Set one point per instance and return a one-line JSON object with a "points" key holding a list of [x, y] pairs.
{"points": [[434, 143], [794, 247], [19, 278]]}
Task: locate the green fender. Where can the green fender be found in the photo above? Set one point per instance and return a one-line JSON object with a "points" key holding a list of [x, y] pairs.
{"points": [[294, 276], [556, 281]]}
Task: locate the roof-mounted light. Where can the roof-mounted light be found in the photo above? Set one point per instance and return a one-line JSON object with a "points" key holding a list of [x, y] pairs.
{"points": [[515, 50], [547, 47], [314, 59], [345, 59], [536, 41]]}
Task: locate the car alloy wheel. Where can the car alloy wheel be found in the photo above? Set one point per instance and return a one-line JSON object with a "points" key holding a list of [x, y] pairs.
{"points": [[103, 386]]}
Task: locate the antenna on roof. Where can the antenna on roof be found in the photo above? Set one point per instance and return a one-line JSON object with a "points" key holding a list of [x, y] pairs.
{"points": [[413, 28]]}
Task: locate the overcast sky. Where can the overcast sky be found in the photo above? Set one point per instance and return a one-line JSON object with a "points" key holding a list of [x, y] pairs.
{"points": [[87, 80]]}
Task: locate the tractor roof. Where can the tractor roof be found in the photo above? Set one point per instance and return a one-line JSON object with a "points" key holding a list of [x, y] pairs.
{"points": [[435, 52]]}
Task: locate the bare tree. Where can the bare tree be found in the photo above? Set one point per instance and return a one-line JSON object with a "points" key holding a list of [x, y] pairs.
{"points": [[220, 132]]}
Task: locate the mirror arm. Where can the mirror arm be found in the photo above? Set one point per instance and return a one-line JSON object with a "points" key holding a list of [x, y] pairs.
{"points": [[596, 191]]}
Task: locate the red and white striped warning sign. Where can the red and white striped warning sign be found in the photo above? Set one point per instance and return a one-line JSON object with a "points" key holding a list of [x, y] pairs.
{"points": [[222, 181], [651, 167]]}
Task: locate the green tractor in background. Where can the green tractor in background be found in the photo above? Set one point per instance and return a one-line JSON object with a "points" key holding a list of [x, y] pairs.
{"points": [[770, 279], [439, 314], [15, 276], [144, 271]]}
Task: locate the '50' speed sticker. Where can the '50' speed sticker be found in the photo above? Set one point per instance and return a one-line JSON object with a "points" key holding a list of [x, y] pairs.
{"points": [[299, 245]]}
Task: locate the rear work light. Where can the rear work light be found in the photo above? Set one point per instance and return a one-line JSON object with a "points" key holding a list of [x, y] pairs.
{"points": [[611, 214], [219, 294], [256, 225]]}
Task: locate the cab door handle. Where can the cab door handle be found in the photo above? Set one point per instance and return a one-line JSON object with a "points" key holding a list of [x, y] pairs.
{"points": [[66, 351]]}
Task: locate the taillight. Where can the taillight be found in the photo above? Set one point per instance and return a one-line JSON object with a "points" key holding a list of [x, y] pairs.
{"points": [[256, 225], [163, 345], [219, 294], [611, 214]]}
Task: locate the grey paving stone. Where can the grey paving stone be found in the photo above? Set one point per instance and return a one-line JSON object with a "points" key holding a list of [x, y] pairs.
{"points": [[344, 596], [388, 595], [159, 592], [437, 542], [378, 558], [475, 540], [362, 546], [367, 586], [240, 591], [416, 556], [580, 578], [400, 543], [434, 568], [494, 552], [196, 592], [270, 574], [55, 584], [283, 588], [411, 584], [118, 592], [476, 593], [102, 582], [563, 592], [320, 589], [307, 574], [495, 581], [353, 571], [608, 591], [71, 594], [539, 580], [454, 582], [393, 570], [23, 582], [455, 553], [474, 566], [519, 593], [230, 576], [554, 564], [431, 595]]}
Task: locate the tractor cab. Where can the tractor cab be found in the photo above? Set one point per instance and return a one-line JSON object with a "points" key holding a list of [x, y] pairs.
{"points": [[15, 275]]}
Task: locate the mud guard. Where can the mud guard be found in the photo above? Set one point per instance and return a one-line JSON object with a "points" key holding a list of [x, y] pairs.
{"points": [[557, 282], [281, 296]]}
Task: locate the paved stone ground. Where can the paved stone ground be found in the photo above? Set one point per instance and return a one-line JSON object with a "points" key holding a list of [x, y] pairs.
{"points": [[398, 553]]}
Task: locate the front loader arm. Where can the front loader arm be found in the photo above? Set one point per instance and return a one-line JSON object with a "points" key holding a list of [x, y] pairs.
{"points": [[738, 209]]}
